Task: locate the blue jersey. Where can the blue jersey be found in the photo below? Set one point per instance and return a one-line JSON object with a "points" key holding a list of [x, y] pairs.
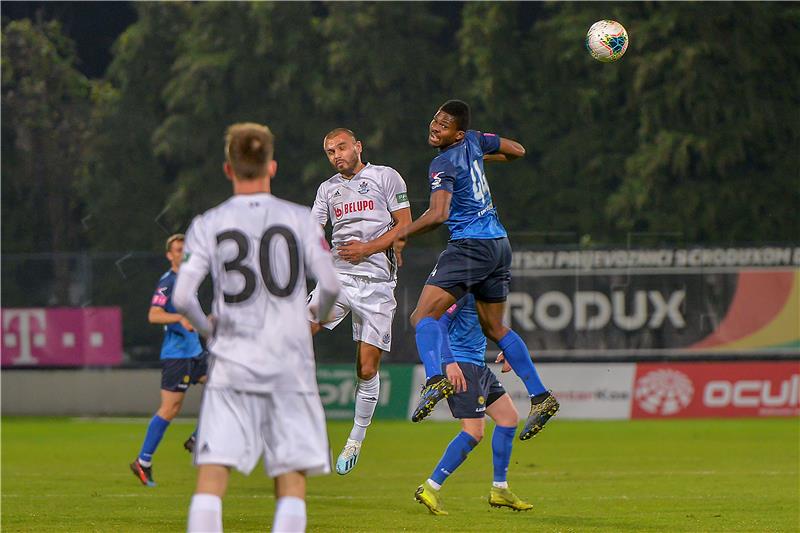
{"points": [[467, 341], [179, 342], [459, 170]]}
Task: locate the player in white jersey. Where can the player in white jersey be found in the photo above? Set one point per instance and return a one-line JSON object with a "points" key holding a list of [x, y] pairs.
{"points": [[262, 396], [366, 205]]}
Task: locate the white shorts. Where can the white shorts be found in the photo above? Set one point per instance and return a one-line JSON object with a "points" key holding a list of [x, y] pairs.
{"points": [[236, 428], [372, 304]]}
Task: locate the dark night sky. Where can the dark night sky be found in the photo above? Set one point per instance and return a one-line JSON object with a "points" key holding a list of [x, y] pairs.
{"points": [[94, 26]]}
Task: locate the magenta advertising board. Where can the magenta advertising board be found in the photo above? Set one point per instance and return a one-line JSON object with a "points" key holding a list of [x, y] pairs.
{"points": [[61, 336]]}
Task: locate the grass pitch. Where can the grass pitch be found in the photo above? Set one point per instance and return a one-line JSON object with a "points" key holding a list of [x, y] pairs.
{"points": [[704, 475]]}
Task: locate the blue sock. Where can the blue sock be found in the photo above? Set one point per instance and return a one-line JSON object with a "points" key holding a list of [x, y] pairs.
{"points": [[454, 455], [518, 356], [155, 430], [502, 440], [444, 350], [429, 343]]}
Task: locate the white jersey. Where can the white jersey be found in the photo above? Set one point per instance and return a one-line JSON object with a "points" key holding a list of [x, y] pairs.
{"points": [[258, 249], [360, 209]]}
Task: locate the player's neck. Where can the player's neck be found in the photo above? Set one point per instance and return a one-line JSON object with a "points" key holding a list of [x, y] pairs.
{"points": [[255, 186], [359, 167]]}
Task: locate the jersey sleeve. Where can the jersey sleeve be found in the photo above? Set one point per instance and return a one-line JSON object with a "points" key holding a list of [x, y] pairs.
{"points": [[490, 142], [441, 175], [395, 190], [320, 207], [162, 293], [196, 253], [319, 263]]}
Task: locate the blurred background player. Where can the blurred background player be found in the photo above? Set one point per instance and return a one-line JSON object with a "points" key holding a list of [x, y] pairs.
{"points": [[367, 205], [483, 395], [262, 396], [183, 363], [477, 260]]}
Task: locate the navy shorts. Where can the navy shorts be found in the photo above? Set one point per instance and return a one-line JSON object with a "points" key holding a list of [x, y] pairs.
{"points": [[479, 266], [483, 390], [178, 374]]}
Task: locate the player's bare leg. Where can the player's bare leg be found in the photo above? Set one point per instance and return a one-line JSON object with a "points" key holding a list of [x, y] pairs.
{"points": [[506, 417], [290, 503], [205, 511], [543, 404], [368, 360], [189, 443], [432, 303]]}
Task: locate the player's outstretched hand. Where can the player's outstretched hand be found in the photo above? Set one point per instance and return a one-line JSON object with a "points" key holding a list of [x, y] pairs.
{"points": [[185, 323], [502, 359], [397, 247], [456, 377], [354, 251]]}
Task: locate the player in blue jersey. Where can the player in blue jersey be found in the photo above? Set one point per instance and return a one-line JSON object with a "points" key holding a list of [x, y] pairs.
{"points": [[483, 395], [183, 363], [477, 261]]}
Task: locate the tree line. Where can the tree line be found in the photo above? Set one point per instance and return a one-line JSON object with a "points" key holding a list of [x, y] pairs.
{"points": [[692, 137]]}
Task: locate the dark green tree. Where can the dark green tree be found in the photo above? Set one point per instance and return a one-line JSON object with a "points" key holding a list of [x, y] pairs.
{"points": [[46, 102], [123, 179]]}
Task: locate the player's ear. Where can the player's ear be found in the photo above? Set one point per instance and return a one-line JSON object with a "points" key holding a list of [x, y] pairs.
{"points": [[228, 169], [272, 168], [359, 147], [460, 135]]}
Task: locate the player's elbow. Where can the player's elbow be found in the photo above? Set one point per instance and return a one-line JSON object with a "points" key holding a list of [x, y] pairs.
{"points": [[152, 316], [181, 302], [440, 216]]}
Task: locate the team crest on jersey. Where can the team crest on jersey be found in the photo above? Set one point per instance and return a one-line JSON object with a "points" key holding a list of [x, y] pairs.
{"points": [[363, 188], [436, 179], [386, 338]]}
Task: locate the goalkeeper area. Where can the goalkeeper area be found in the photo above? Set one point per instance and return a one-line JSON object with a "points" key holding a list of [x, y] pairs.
{"points": [[67, 474]]}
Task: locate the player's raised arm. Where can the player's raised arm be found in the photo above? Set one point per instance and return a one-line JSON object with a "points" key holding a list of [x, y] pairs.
{"points": [[195, 267], [508, 150]]}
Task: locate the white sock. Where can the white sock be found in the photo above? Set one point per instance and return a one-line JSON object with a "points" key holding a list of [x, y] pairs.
{"points": [[290, 515], [433, 484], [205, 514], [367, 396], [500, 484]]}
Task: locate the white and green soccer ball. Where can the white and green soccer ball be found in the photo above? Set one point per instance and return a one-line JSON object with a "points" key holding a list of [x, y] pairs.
{"points": [[607, 40]]}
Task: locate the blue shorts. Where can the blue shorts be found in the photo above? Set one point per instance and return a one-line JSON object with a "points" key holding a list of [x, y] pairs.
{"points": [[178, 374], [483, 390], [479, 266]]}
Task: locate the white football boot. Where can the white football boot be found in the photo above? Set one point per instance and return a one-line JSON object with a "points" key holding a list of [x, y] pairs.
{"points": [[349, 457]]}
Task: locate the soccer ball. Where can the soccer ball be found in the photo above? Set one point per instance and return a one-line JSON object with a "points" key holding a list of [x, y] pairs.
{"points": [[607, 40]]}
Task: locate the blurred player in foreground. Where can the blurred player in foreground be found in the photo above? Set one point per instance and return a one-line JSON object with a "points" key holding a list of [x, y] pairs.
{"points": [[367, 205], [262, 396], [483, 395], [477, 260], [183, 363]]}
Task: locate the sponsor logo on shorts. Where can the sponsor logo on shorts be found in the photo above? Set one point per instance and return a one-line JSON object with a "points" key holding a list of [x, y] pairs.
{"points": [[386, 338]]}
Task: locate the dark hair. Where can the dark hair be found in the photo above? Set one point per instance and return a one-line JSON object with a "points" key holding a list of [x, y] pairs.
{"points": [[248, 149], [458, 110]]}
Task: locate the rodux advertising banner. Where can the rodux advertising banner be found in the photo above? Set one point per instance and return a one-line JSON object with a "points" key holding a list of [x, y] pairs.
{"points": [[656, 303]]}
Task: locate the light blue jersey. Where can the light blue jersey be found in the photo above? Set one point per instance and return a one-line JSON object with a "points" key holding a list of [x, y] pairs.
{"points": [[459, 170], [179, 342], [467, 341]]}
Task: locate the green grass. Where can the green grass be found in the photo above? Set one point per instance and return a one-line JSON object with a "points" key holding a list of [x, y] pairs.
{"points": [[705, 475]]}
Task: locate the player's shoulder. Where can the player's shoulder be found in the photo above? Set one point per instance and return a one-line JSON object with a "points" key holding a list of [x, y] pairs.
{"points": [[167, 276], [443, 162], [382, 172]]}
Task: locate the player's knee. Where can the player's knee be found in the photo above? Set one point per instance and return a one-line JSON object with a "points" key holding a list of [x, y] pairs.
{"points": [[476, 434], [495, 332], [367, 371]]}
